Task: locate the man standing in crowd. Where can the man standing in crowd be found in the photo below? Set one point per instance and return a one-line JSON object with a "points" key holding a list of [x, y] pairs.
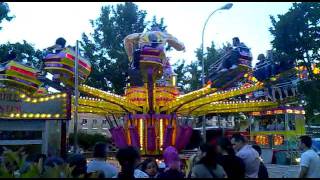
{"points": [[249, 155], [310, 160], [99, 163]]}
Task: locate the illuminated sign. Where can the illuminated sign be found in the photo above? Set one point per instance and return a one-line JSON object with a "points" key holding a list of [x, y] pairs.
{"points": [[15, 105]]}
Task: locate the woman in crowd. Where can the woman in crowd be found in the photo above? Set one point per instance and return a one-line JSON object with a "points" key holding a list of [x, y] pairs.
{"points": [[233, 165], [150, 167], [172, 162], [129, 158], [208, 167]]}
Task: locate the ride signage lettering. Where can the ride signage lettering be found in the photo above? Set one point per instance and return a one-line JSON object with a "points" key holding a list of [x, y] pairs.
{"points": [[9, 103]]}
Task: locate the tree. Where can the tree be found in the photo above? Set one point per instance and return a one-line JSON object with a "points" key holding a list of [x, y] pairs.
{"points": [[180, 69], [104, 48], [297, 37], [4, 11], [297, 33], [212, 55], [87, 141], [25, 52]]}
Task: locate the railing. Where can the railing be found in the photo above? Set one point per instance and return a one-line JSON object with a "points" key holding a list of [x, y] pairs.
{"points": [[282, 171]]}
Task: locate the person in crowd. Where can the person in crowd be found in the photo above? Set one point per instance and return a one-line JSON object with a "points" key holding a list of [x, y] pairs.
{"points": [[263, 172], [172, 162], [53, 161], [129, 159], [150, 167], [249, 155], [232, 165], [99, 164], [208, 167], [79, 162], [310, 160]]}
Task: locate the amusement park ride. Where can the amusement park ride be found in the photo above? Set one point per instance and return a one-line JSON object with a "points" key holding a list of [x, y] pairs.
{"points": [[152, 102]]}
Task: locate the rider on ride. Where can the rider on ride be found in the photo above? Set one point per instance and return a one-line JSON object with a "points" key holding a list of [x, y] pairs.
{"points": [[154, 38], [59, 45], [232, 60]]}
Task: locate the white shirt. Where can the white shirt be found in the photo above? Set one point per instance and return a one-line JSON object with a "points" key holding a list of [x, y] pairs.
{"points": [[99, 165], [251, 160], [311, 160], [140, 174], [137, 174]]}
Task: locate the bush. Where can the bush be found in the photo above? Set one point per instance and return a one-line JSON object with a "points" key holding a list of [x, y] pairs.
{"points": [[14, 165], [87, 141]]}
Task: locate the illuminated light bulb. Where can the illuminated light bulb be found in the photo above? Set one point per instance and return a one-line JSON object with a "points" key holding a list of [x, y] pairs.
{"points": [[24, 115], [64, 95], [37, 115], [59, 96], [28, 99], [52, 97], [41, 99], [48, 116], [30, 115], [43, 115], [46, 99], [22, 95], [34, 100], [11, 115], [57, 115], [17, 115]]}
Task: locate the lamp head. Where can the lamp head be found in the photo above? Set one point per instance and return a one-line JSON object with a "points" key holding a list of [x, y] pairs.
{"points": [[226, 6]]}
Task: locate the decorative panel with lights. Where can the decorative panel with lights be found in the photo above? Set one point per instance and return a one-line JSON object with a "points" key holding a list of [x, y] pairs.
{"points": [[15, 105]]}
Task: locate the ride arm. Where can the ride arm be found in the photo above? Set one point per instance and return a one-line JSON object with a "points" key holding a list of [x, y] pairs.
{"points": [[129, 42], [174, 42]]}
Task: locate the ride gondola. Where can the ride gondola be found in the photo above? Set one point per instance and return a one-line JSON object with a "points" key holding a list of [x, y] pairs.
{"points": [[273, 72], [232, 66], [21, 76], [61, 65]]}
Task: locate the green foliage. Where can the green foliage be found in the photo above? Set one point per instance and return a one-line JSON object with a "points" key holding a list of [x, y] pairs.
{"points": [[297, 33], [180, 69], [4, 11], [297, 37], [87, 141], [105, 49], [14, 165], [311, 91], [24, 51], [189, 76]]}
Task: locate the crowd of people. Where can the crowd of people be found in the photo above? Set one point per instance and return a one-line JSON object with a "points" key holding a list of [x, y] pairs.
{"points": [[225, 158]]}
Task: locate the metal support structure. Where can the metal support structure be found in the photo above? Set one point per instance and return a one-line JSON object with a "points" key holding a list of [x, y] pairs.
{"points": [[225, 7], [76, 95], [63, 142]]}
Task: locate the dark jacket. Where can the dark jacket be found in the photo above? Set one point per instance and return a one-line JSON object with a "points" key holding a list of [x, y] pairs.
{"points": [[171, 174], [263, 172], [232, 165]]}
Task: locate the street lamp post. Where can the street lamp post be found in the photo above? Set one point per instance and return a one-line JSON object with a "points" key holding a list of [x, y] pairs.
{"points": [[225, 7], [76, 96]]}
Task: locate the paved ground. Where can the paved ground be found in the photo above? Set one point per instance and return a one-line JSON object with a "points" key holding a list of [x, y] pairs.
{"points": [[282, 171]]}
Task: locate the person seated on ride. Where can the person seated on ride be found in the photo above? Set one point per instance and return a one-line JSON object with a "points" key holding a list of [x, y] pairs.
{"points": [[270, 126], [59, 46], [231, 62], [280, 125], [155, 38]]}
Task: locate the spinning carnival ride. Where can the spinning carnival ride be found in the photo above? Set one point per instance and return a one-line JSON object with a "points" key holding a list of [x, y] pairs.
{"points": [[152, 104]]}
